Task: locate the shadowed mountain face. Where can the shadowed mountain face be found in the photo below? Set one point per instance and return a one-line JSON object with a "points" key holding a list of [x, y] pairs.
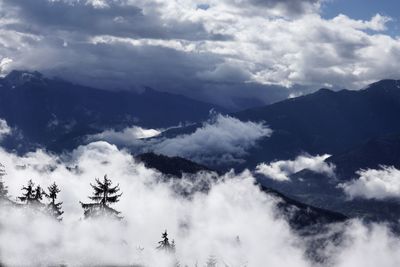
{"points": [[54, 113], [326, 121], [175, 166], [383, 150]]}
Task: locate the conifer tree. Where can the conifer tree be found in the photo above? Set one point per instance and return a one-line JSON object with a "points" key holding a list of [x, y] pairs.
{"points": [[103, 196], [54, 208], [38, 194], [32, 195], [29, 193], [164, 244]]}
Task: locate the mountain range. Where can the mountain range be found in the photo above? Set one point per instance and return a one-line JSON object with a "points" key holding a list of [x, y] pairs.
{"points": [[360, 129], [55, 113]]}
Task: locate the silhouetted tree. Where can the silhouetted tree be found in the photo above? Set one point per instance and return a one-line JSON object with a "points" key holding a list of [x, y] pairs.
{"points": [[29, 193], [32, 195], [104, 195], [164, 244], [54, 208]]}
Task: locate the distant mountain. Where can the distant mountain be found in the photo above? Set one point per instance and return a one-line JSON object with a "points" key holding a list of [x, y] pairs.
{"points": [[326, 121], [55, 113], [175, 166], [301, 215], [383, 150]]}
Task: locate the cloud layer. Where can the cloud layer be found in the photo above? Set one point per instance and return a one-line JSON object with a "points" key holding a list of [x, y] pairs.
{"points": [[374, 184], [206, 224], [282, 169], [214, 50], [220, 140]]}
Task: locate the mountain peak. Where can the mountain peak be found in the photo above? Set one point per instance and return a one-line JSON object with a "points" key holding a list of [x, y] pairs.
{"points": [[20, 77], [384, 84], [325, 91]]}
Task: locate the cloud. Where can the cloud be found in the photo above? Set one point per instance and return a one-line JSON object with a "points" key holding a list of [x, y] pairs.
{"points": [[4, 62], [148, 208], [5, 130], [206, 224], [222, 139], [282, 169], [127, 136], [374, 184], [214, 54]]}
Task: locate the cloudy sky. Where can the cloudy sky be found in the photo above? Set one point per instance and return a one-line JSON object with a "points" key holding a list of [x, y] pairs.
{"points": [[216, 50]]}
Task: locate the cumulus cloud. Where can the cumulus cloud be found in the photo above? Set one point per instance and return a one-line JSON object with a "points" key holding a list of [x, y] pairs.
{"points": [[282, 169], [213, 53], [374, 184], [222, 139]]}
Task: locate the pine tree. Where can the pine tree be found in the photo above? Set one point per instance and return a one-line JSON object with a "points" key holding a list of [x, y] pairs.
{"points": [[29, 195], [54, 208], [39, 193], [32, 195], [164, 244], [104, 195]]}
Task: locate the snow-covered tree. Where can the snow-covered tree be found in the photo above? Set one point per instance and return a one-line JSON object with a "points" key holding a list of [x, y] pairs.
{"points": [[103, 196], [54, 208]]}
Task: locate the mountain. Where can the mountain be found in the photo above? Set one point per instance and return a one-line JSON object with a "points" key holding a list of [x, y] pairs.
{"points": [[382, 150], [56, 113], [301, 215], [175, 166], [326, 121]]}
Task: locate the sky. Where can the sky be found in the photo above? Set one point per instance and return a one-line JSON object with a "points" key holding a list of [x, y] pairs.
{"points": [[225, 52]]}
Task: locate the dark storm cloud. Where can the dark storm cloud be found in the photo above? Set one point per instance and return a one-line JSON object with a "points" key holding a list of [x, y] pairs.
{"points": [[235, 53], [117, 18], [293, 7]]}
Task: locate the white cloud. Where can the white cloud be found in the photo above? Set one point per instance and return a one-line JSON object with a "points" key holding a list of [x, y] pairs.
{"points": [[204, 225], [374, 184], [4, 129], [282, 169], [128, 136], [148, 208], [220, 140]]}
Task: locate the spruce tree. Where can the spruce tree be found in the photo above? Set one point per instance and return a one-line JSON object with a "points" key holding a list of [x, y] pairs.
{"points": [[29, 193], [164, 244], [54, 208], [32, 195], [103, 196]]}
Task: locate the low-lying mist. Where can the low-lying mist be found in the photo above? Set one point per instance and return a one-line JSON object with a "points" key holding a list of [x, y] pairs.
{"points": [[234, 222]]}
